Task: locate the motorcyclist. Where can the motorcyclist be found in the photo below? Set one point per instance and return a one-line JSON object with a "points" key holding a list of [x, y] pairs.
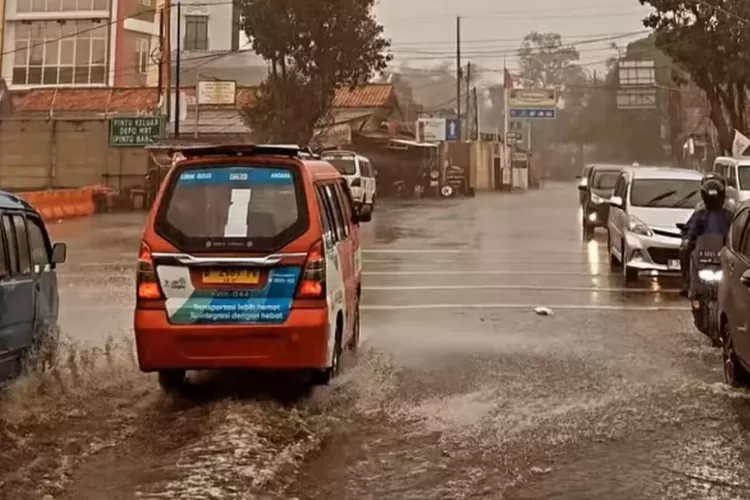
{"points": [[713, 215]]}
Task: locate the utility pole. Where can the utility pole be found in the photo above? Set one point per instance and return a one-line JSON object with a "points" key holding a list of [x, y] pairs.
{"points": [[177, 73], [166, 62], [468, 102], [476, 115], [458, 73]]}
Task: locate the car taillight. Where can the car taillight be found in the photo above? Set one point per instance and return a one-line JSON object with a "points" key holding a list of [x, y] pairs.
{"points": [[146, 280], [357, 182], [313, 283]]}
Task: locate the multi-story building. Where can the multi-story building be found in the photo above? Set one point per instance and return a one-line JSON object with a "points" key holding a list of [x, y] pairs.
{"points": [[91, 43], [207, 26], [51, 43]]}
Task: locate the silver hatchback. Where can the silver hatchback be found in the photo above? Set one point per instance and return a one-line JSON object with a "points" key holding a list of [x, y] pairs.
{"points": [[645, 208]]}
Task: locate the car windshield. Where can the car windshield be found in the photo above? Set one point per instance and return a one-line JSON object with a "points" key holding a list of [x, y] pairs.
{"points": [[665, 193], [228, 207], [605, 180], [346, 166], [743, 172]]}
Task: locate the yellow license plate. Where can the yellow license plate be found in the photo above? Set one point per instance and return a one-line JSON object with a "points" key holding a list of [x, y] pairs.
{"points": [[231, 277]]}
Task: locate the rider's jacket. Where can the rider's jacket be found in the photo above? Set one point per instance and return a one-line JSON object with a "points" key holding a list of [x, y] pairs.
{"points": [[705, 221]]}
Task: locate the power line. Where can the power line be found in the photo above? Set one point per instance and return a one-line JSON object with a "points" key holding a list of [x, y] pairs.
{"points": [[571, 39], [534, 17], [499, 13]]}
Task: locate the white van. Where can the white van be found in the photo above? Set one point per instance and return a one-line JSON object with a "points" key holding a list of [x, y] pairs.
{"points": [[737, 173], [358, 172]]}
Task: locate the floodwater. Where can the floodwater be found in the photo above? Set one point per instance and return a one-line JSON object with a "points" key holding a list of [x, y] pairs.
{"points": [[459, 389]]}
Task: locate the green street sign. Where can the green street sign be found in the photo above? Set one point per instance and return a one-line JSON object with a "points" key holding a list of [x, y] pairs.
{"points": [[134, 131]]}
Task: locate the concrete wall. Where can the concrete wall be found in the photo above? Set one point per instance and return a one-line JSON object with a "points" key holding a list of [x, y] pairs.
{"points": [[478, 158], [40, 154]]}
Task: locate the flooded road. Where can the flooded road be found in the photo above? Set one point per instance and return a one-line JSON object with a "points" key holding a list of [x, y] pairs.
{"points": [[460, 390]]}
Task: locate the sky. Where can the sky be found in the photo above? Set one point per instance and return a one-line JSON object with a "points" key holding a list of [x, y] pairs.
{"points": [[423, 32]]}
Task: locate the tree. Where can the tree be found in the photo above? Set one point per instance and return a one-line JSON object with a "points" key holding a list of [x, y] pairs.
{"points": [[709, 42], [546, 62], [312, 48], [624, 136]]}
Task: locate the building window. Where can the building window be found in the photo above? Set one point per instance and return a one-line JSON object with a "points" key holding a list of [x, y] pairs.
{"points": [[196, 33], [24, 6], [60, 53], [141, 55]]}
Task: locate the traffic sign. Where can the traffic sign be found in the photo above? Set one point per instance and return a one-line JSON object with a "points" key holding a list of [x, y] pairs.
{"points": [[534, 113], [134, 131], [431, 129], [452, 129]]}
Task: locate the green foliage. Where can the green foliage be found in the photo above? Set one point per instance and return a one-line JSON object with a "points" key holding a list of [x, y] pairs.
{"points": [[623, 135], [709, 40], [546, 61], [312, 48]]}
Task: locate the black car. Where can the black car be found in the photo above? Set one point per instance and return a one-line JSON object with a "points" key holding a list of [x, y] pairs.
{"points": [[595, 190], [734, 301]]}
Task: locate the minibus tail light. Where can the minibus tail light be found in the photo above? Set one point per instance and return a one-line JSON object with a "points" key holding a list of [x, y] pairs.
{"points": [[147, 282], [313, 282]]}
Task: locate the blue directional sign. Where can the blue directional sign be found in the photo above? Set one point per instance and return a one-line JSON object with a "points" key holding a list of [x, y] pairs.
{"points": [[452, 129], [534, 113]]}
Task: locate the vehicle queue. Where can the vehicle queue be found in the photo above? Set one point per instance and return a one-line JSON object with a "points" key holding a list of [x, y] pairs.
{"points": [[655, 221]]}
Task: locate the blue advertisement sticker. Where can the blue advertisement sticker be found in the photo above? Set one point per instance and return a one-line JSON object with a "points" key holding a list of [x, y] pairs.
{"points": [[236, 175], [269, 305]]}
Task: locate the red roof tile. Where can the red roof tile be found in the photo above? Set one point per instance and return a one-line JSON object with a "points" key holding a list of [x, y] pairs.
{"points": [[85, 99], [126, 100], [373, 95]]}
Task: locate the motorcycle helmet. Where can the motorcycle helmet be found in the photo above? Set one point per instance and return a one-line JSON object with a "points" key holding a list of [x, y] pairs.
{"points": [[714, 176], [713, 193]]}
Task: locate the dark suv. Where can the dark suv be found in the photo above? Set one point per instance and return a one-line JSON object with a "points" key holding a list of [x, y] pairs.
{"points": [[734, 300], [595, 191]]}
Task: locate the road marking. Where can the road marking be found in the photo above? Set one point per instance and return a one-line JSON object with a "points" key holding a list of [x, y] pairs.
{"points": [[475, 263], [458, 251], [494, 272], [553, 307], [415, 288], [68, 309]]}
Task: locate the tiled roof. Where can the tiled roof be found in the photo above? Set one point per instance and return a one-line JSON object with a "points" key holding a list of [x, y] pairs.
{"points": [[373, 95], [82, 100], [126, 100]]}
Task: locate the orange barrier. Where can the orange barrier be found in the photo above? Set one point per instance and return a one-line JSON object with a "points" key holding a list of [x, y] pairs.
{"points": [[63, 203]]}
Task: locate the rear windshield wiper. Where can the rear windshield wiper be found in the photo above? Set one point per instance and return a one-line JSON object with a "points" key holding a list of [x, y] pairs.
{"points": [[653, 201]]}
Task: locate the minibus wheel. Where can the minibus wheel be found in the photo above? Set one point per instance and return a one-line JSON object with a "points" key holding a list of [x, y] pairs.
{"points": [[172, 381], [324, 377]]}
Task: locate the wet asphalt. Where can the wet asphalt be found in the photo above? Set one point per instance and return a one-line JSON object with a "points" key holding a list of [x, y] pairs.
{"points": [[460, 389]]}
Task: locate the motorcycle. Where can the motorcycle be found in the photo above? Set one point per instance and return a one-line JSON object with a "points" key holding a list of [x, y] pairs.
{"points": [[705, 276]]}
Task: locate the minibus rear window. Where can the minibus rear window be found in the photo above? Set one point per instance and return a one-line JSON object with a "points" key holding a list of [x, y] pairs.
{"points": [[247, 207]]}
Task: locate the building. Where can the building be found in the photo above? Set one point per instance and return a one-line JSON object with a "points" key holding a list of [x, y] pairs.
{"points": [[78, 43], [207, 26]]}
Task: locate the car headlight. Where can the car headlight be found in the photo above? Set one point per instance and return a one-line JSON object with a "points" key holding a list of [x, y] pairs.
{"points": [[597, 200], [638, 227], [710, 275]]}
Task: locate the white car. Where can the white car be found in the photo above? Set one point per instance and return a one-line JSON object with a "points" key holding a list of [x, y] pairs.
{"points": [[645, 208], [359, 174], [737, 173]]}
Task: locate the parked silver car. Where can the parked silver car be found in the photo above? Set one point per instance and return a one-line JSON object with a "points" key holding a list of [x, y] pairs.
{"points": [[645, 208]]}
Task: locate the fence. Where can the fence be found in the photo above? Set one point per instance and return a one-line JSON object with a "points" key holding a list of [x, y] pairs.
{"points": [[38, 154]]}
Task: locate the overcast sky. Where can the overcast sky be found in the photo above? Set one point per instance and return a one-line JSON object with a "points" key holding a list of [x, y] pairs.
{"points": [[423, 32]]}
